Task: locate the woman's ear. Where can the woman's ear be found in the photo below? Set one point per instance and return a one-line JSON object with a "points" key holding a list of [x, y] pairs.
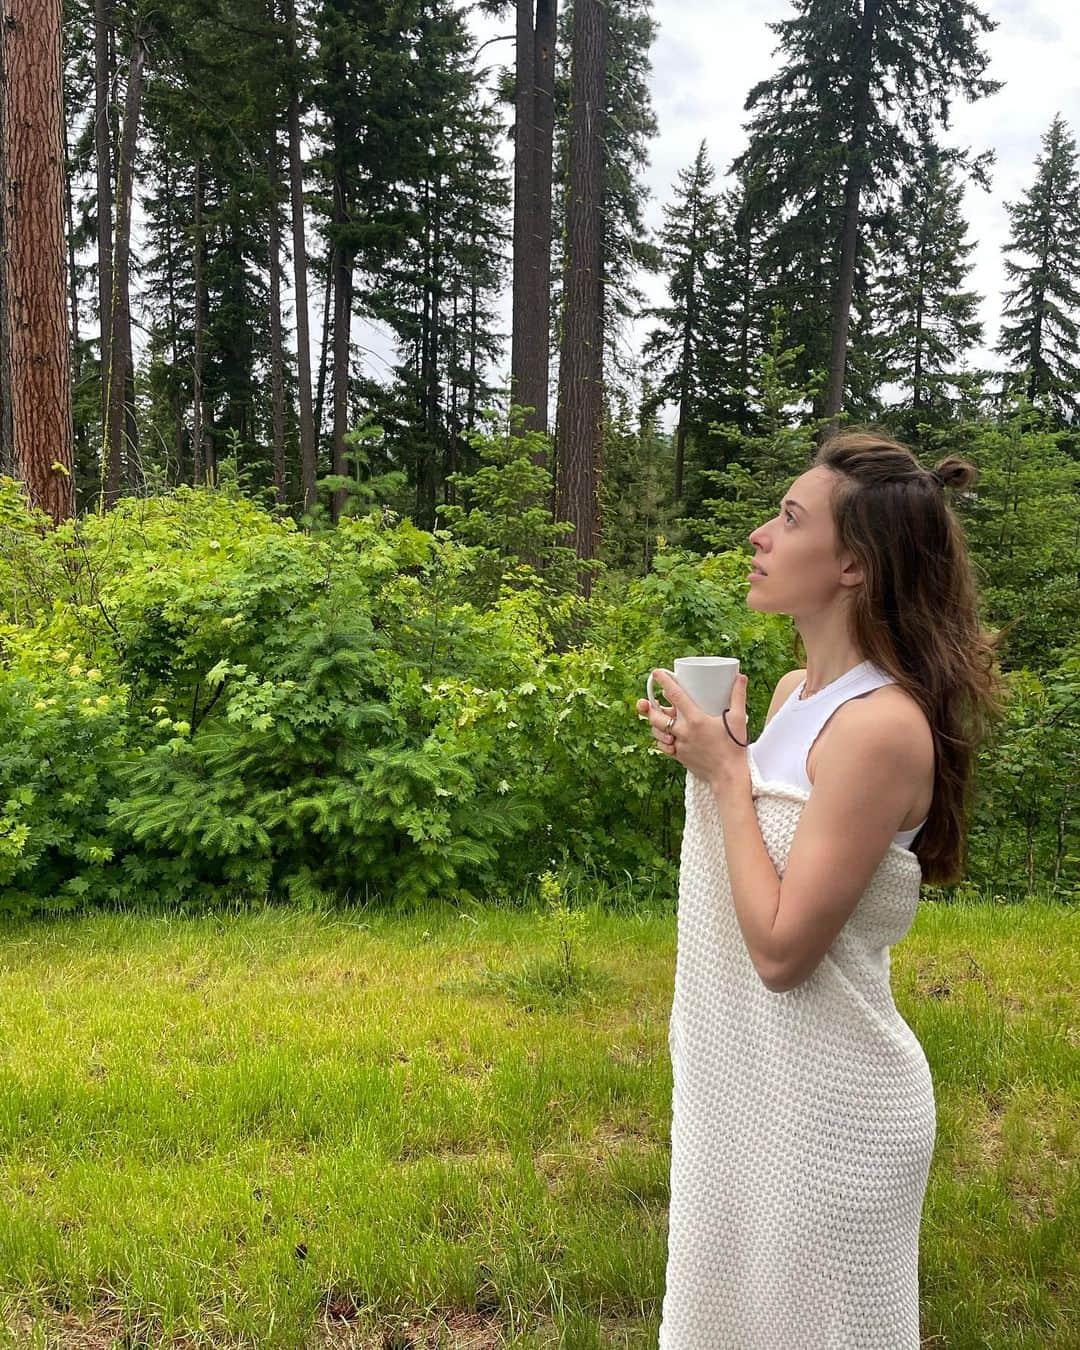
{"points": [[851, 574]]}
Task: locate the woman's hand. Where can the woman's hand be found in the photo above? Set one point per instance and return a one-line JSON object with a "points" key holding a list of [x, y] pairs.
{"points": [[698, 741]]}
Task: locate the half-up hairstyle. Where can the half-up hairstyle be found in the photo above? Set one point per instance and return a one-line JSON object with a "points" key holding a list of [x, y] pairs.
{"points": [[916, 615]]}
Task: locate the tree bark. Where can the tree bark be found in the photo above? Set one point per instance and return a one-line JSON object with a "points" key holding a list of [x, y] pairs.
{"points": [[7, 444], [324, 347], [300, 274], [118, 371], [343, 282], [198, 469], [277, 358], [581, 361], [856, 176], [36, 285], [426, 475], [523, 195], [174, 324], [103, 172], [69, 231], [534, 122], [687, 358]]}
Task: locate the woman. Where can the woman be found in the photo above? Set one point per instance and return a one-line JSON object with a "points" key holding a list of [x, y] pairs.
{"points": [[803, 1114]]}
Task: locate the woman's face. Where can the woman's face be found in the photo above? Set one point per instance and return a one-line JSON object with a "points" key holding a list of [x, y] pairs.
{"points": [[797, 550]]}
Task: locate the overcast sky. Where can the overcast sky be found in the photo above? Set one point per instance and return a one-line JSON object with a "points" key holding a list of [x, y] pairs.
{"points": [[708, 54]]}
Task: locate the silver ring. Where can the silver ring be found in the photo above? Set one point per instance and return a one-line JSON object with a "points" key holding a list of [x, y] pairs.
{"points": [[671, 722]]}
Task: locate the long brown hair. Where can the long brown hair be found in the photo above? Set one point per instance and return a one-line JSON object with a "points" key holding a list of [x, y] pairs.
{"points": [[916, 615]]}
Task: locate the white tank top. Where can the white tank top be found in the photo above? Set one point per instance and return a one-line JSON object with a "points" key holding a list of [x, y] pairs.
{"points": [[780, 751]]}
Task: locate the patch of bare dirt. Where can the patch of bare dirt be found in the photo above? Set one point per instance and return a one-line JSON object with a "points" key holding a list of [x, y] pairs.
{"points": [[106, 1328], [452, 1330], [938, 978]]}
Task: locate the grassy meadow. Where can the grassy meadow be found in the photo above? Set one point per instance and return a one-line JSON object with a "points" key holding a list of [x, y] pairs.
{"points": [[278, 1128]]}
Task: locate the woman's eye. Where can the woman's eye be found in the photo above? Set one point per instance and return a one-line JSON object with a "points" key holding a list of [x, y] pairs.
{"points": [[788, 515]]}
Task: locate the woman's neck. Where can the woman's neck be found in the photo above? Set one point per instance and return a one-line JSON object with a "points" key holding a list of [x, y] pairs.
{"points": [[818, 676]]}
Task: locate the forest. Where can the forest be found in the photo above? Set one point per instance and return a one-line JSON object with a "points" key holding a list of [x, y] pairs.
{"points": [[366, 440]]}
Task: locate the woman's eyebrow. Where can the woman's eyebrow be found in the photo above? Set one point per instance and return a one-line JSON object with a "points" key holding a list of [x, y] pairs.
{"points": [[788, 502]]}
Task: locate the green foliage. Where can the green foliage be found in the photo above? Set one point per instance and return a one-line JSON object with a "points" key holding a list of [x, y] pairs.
{"points": [[243, 707], [563, 926], [759, 465], [199, 699], [1027, 779], [635, 492], [505, 513], [1020, 522], [927, 321], [62, 728], [846, 107]]}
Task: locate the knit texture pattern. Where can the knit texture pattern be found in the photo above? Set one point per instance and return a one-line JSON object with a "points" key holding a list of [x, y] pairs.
{"points": [[803, 1123]]}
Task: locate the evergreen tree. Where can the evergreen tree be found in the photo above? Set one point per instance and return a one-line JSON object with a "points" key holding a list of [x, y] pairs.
{"points": [[635, 488], [735, 318], [531, 89], [206, 262], [689, 243], [759, 465], [1043, 339], [927, 321], [439, 289], [860, 90]]}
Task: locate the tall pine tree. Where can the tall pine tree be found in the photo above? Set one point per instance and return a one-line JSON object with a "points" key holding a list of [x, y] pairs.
{"points": [[861, 88], [1043, 340], [674, 351], [927, 322]]}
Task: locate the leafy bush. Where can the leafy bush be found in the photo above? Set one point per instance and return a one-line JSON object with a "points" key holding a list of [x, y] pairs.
{"points": [[198, 697]]}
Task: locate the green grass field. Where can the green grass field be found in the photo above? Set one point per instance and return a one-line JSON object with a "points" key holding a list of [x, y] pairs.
{"points": [[286, 1129]]}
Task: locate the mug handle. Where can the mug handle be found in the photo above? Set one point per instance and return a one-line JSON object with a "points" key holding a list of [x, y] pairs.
{"points": [[649, 689]]}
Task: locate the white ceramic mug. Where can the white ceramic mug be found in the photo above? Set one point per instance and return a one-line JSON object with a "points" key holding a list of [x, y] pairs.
{"points": [[708, 680]]}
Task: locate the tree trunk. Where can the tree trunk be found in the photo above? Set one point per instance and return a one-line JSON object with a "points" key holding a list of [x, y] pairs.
{"points": [[103, 173], [680, 433], [118, 369], [174, 325], [856, 175], [324, 347], [687, 357], [197, 462], [69, 234], [300, 273], [277, 359], [342, 325], [7, 444], [920, 305], [36, 286], [534, 123], [524, 203], [426, 485], [581, 361]]}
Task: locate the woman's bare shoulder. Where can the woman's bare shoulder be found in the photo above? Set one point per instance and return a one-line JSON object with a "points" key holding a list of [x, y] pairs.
{"points": [[902, 709]]}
